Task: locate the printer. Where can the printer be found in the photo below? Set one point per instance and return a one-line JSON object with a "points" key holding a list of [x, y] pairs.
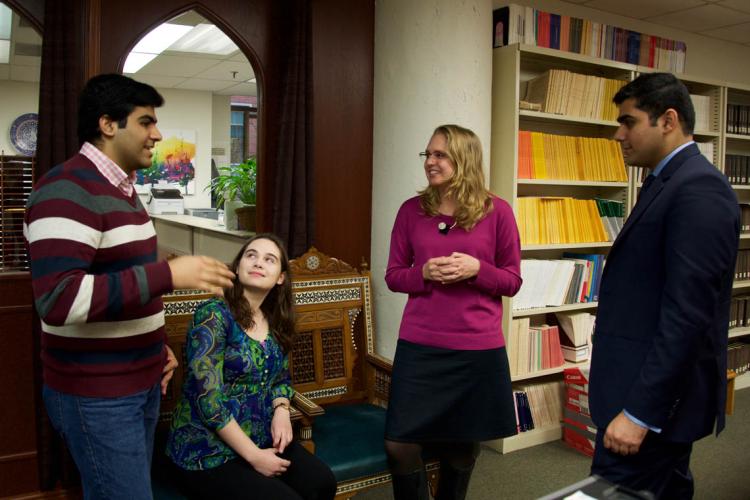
{"points": [[166, 201]]}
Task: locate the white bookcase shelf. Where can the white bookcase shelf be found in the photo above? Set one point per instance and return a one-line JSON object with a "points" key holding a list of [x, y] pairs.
{"points": [[515, 65]]}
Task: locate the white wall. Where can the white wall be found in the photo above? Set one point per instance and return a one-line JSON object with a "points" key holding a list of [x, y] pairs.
{"points": [[433, 65], [16, 99]]}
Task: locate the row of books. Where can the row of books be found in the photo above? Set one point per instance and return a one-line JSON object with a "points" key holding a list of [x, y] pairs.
{"points": [[519, 24], [574, 279], [554, 220], [737, 169], [742, 265], [533, 348], [551, 156], [744, 218], [703, 112], [738, 357], [739, 311], [563, 92], [738, 119], [538, 405]]}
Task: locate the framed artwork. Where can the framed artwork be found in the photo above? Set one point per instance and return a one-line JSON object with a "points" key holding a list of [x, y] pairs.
{"points": [[172, 163]]}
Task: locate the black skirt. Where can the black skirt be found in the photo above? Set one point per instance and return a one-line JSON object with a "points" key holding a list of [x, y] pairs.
{"points": [[446, 395]]}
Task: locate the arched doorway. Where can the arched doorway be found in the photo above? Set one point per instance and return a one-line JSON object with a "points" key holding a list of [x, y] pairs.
{"points": [[210, 117]]}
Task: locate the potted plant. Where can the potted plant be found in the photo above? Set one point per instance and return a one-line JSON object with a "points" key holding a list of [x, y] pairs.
{"points": [[238, 183]]}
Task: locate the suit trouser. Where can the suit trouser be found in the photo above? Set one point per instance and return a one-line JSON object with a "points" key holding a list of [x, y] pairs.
{"points": [[661, 467]]}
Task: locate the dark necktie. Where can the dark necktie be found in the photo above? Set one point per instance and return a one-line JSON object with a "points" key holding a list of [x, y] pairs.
{"points": [[646, 184]]}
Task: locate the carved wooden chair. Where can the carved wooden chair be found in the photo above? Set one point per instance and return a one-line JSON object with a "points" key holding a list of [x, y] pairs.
{"points": [[335, 365]]}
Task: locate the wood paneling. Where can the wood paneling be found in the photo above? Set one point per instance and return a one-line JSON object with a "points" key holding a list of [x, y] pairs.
{"points": [[18, 446], [343, 35]]}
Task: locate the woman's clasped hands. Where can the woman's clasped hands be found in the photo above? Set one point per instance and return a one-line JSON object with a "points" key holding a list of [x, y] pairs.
{"points": [[450, 269]]}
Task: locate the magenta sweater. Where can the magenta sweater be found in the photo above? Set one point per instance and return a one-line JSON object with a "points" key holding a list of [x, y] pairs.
{"points": [[466, 315]]}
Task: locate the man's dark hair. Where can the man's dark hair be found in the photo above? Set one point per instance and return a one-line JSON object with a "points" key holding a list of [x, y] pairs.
{"points": [[655, 93], [113, 95]]}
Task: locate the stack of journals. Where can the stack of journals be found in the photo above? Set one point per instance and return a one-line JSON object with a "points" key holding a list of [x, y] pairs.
{"points": [[706, 149], [573, 279], [738, 119], [612, 213], [538, 405], [560, 157], [702, 106], [736, 168], [561, 92], [533, 348], [576, 341], [579, 431], [519, 24], [556, 220]]}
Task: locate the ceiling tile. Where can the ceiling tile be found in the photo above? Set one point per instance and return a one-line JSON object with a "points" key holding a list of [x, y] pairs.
{"points": [[739, 33], [203, 84], [702, 18], [224, 71], [4, 71], [741, 5], [241, 89], [641, 9], [24, 73], [167, 82]]}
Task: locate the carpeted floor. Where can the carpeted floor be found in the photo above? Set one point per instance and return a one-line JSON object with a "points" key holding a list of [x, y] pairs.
{"points": [[721, 466]]}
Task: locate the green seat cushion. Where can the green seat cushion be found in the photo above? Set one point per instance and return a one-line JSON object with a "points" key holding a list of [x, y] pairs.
{"points": [[350, 440]]}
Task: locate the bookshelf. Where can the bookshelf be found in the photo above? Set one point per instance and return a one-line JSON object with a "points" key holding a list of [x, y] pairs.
{"points": [[513, 67], [736, 145]]}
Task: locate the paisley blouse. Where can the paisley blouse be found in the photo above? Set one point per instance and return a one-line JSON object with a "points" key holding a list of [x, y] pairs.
{"points": [[228, 375]]}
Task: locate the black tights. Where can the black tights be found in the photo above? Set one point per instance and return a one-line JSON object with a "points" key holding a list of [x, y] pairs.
{"points": [[405, 458]]}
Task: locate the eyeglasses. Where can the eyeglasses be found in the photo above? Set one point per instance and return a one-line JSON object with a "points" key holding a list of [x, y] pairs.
{"points": [[438, 155]]}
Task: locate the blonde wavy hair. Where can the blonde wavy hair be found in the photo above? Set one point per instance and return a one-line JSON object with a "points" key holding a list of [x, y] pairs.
{"points": [[466, 186]]}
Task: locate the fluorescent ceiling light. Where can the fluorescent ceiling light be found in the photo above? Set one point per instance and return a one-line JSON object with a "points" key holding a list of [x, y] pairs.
{"points": [[137, 60], [205, 39], [5, 17], [252, 80], [152, 45], [160, 38]]}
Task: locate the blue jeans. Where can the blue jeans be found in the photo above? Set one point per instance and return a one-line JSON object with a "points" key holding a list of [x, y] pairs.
{"points": [[110, 439]]}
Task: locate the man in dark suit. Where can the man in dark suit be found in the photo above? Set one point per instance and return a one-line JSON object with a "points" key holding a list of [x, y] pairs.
{"points": [[658, 371]]}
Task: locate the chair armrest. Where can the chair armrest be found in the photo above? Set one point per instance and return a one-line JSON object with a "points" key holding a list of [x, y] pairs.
{"points": [[306, 406], [380, 363]]}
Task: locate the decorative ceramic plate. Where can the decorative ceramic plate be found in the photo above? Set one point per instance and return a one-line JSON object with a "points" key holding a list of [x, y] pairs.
{"points": [[23, 133]]}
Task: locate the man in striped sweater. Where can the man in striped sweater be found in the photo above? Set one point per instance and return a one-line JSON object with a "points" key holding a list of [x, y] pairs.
{"points": [[97, 290]]}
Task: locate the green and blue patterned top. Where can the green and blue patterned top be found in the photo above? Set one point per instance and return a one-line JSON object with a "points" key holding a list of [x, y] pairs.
{"points": [[229, 375]]}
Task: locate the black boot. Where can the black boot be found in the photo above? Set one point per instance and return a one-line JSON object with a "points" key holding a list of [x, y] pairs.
{"points": [[410, 486], [453, 482]]}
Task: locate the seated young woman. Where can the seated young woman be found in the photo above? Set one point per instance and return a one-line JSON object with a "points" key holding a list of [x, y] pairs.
{"points": [[231, 433]]}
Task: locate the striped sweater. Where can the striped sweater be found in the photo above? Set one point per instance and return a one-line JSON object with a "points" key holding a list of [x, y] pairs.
{"points": [[97, 284]]}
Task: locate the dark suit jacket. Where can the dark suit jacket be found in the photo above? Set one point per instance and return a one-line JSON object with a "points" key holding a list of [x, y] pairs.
{"points": [[660, 343]]}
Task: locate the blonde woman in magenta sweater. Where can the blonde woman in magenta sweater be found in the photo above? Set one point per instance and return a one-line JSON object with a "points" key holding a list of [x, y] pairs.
{"points": [[455, 251]]}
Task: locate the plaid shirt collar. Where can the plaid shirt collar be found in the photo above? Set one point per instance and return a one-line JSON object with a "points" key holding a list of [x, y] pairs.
{"points": [[109, 169]]}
